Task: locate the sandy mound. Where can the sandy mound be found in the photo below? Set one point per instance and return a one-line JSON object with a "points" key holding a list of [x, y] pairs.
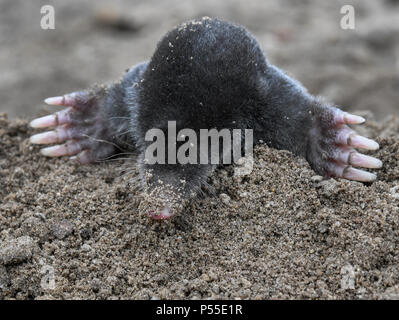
{"points": [[281, 232]]}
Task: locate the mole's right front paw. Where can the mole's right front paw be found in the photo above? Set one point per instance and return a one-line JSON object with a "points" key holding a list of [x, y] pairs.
{"points": [[81, 129], [331, 150]]}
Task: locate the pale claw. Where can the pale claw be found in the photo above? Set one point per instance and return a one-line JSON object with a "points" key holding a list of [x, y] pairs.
{"points": [[74, 99], [352, 157], [56, 136], [360, 160], [341, 117], [56, 101], [348, 137], [353, 119], [68, 149], [356, 141], [344, 171], [358, 175], [55, 119]]}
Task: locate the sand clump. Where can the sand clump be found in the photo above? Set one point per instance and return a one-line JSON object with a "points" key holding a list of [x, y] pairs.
{"points": [[280, 232]]}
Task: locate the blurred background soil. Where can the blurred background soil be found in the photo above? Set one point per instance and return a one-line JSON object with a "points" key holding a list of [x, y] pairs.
{"points": [[95, 41]]}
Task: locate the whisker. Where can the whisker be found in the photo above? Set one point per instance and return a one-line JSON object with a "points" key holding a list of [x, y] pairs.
{"points": [[112, 159], [126, 118], [124, 132], [109, 142], [101, 140], [119, 154]]}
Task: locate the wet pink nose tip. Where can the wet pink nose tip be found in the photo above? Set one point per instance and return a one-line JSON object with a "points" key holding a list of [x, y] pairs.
{"points": [[165, 213]]}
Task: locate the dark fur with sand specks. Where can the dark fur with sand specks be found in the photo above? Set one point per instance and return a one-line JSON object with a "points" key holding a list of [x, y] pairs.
{"points": [[213, 74]]}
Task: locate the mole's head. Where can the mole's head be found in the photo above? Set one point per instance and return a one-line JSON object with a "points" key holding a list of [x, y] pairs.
{"points": [[168, 187], [183, 91]]}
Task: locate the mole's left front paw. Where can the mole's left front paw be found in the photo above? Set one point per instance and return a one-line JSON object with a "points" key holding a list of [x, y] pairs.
{"points": [[331, 150]]}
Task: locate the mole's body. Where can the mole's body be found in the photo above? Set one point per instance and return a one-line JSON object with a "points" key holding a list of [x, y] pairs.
{"points": [[204, 74]]}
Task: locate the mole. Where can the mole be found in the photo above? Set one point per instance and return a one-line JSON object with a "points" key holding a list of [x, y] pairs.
{"points": [[205, 73]]}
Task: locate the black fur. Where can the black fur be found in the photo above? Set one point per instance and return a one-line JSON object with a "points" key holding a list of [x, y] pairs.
{"points": [[207, 74]]}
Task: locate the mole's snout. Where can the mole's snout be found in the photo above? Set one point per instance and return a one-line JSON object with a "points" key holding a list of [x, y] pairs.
{"points": [[165, 213], [161, 202], [166, 192]]}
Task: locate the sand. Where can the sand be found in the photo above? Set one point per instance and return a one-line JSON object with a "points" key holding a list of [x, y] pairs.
{"points": [[70, 232]]}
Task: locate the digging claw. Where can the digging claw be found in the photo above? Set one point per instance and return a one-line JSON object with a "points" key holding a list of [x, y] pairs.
{"points": [[74, 99], [356, 141], [360, 160], [358, 175], [353, 119], [56, 136], [55, 119], [341, 117], [55, 101], [333, 148], [68, 149]]}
